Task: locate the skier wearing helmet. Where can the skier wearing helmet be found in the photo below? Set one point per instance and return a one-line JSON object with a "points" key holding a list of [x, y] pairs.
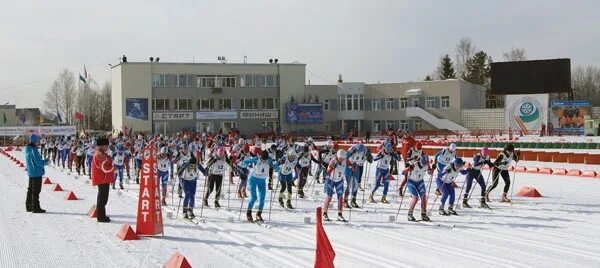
{"points": [[385, 157], [216, 167], [356, 158], [336, 172], [444, 182], [443, 158], [286, 178], [412, 156], [258, 176], [416, 185], [501, 166], [479, 160]]}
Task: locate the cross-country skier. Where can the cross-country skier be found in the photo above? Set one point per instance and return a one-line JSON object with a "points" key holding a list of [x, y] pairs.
{"points": [[182, 162], [444, 182], [216, 167], [164, 165], [413, 155], [80, 152], [479, 160], [89, 153], [118, 159], [326, 154], [286, 179], [382, 175], [189, 175], [302, 170], [501, 166], [356, 157], [416, 171], [243, 172], [442, 159], [257, 181], [272, 151], [336, 172]]}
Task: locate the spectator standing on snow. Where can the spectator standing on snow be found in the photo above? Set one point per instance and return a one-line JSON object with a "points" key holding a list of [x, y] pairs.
{"points": [[103, 175], [35, 171]]}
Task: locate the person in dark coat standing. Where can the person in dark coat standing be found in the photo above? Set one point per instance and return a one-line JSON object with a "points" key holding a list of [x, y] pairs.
{"points": [[102, 176], [35, 170]]}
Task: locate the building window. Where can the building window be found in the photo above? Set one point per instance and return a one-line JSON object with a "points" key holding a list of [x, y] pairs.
{"points": [[430, 102], [269, 104], [446, 102], [248, 80], [183, 104], [183, 80], [342, 102], [375, 104], [326, 105], [206, 81], [269, 126], [161, 128], [160, 104], [270, 81], [415, 102], [226, 81], [389, 103], [361, 102], [376, 126], [225, 104], [159, 80], [389, 125], [403, 124], [403, 103], [205, 104], [204, 127], [418, 124], [226, 126], [349, 102], [248, 104]]}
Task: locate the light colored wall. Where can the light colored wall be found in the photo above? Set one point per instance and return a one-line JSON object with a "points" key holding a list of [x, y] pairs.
{"points": [[291, 82], [11, 115], [136, 82], [482, 119], [117, 98]]}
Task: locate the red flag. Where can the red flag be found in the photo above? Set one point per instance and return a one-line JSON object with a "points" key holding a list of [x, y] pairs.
{"points": [[324, 253], [78, 116]]}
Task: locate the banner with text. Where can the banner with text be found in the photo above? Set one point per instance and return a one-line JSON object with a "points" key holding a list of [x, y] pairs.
{"points": [[46, 130], [304, 112], [149, 213], [258, 114], [526, 112], [173, 116], [569, 116], [216, 115]]}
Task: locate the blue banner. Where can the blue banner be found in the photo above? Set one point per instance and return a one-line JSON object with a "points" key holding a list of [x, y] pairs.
{"points": [[569, 116], [581, 103], [136, 108], [304, 113]]}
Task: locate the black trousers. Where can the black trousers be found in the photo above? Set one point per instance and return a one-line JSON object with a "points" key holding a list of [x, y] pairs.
{"points": [[33, 193], [103, 190], [495, 176], [80, 164], [214, 183]]}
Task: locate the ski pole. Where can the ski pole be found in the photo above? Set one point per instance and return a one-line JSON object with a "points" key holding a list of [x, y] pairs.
{"points": [[433, 204], [458, 204], [241, 206], [430, 183], [486, 181], [402, 197], [272, 196], [229, 190], [366, 178], [497, 176], [203, 195], [178, 206], [512, 187]]}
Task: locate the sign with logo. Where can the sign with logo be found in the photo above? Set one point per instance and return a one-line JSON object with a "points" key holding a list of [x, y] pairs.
{"points": [[136, 108], [304, 112], [216, 115], [569, 116], [149, 213], [258, 114], [526, 112], [173, 116]]}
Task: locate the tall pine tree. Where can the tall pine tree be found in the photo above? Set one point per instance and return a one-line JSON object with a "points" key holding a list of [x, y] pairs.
{"points": [[478, 69], [446, 68]]}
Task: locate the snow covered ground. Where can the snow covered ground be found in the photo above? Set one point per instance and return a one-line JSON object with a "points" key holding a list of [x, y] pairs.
{"points": [[559, 230]]}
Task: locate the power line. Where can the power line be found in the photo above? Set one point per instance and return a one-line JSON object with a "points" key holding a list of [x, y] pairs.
{"points": [[322, 78]]}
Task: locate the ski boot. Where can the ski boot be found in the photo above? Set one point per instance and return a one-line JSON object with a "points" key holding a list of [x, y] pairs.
{"points": [[401, 192], [410, 216], [289, 204], [443, 212], [325, 217], [505, 199], [451, 210], [217, 205], [487, 197], [438, 192], [346, 205], [340, 217], [164, 201], [121, 186], [353, 203], [424, 216], [300, 193], [249, 215], [281, 201], [191, 213], [259, 216], [384, 200], [239, 194], [270, 186], [483, 204], [113, 186], [244, 194], [371, 199], [205, 202], [179, 193], [185, 215], [465, 203], [360, 188]]}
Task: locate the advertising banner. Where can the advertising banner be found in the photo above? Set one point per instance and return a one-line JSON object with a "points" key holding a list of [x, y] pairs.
{"points": [[526, 112], [46, 130], [216, 115], [173, 116], [304, 113], [149, 212], [569, 116], [136, 108], [258, 114]]}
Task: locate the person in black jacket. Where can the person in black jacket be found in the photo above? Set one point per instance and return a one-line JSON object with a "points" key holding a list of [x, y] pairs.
{"points": [[500, 168]]}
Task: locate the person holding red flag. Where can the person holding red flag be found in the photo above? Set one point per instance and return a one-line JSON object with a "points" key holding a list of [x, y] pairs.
{"points": [[103, 175]]}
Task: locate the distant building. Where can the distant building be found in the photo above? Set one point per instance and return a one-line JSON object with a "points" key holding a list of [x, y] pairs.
{"points": [[10, 112]]}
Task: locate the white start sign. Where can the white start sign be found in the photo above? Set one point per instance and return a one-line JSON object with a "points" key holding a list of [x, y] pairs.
{"points": [[173, 116], [258, 114]]}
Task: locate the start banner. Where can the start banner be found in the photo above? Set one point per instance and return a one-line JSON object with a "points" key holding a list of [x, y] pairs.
{"points": [[149, 213]]}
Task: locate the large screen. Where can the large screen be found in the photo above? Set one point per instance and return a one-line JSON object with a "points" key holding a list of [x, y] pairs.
{"points": [[531, 77]]}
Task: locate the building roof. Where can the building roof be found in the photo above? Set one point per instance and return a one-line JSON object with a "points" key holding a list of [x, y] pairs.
{"points": [[206, 63]]}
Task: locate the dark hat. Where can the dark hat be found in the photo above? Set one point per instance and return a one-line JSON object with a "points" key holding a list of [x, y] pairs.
{"points": [[102, 141]]}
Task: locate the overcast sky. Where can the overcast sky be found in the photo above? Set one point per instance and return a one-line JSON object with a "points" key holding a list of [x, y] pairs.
{"points": [[370, 41]]}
